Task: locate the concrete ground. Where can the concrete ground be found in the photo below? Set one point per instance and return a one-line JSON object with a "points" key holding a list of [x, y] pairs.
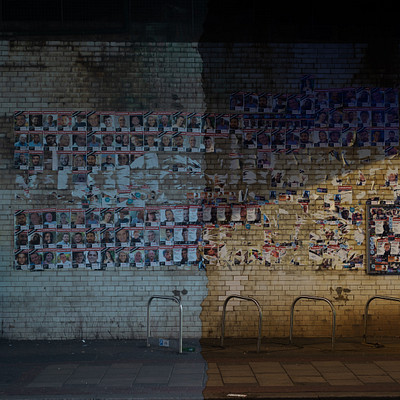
{"points": [[127, 369]]}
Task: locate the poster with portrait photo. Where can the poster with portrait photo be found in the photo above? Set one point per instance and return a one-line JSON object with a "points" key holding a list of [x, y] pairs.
{"points": [[222, 122], [264, 159], [92, 217], [264, 139], [391, 97], [122, 217], [137, 141], [178, 140], [194, 255], [349, 136], [49, 218], [391, 137], [21, 141], [35, 121], [122, 141], [92, 161], [122, 237], [335, 137], [151, 257], [307, 106], [378, 117], [208, 123], [93, 121], [236, 101], [152, 216], [235, 123], [150, 121], [363, 97], [251, 102], [79, 121], [92, 237], [137, 215], [35, 259], [194, 231], [249, 139], [391, 117], [122, 257], [279, 103], [377, 97], [137, 258], [335, 97], [36, 160], [363, 137], [377, 137], [49, 238], [35, 239], [63, 239], [107, 217], [193, 123], [35, 141], [278, 137], [195, 214], [93, 141], [64, 141], [292, 138], [107, 257], [78, 218], [322, 118], [21, 160], [164, 121], [107, 140], [121, 122], [36, 219], [293, 108], [21, 239], [107, 121], [49, 259], [50, 141], [194, 142], [49, 121], [136, 121], [93, 258], [64, 121], [165, 255], [108, 161], [164, 141], [150, 141], [78, 238], [336, 118], [63, 218], [179, 121], [167, 235], [349, 97], [79, 161], [364, 117], [152, 236], [265, 102], [21, 121], [78, 258], [21, 219], [137, 236], [350, 117], [21, 259], [123, 163]]}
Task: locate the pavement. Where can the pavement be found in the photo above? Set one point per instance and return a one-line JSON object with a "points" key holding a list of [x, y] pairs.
{"points": [[128, 369]]}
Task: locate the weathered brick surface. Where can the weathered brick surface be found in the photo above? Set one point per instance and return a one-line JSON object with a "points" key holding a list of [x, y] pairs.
{"points": [[122, 76]]}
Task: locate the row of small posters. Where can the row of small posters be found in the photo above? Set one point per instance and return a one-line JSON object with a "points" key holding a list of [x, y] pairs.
{"points": [[106, 257], [314, 99]]}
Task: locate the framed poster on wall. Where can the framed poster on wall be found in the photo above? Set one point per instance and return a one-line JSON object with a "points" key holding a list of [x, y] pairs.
{"points": [[383, 245]]}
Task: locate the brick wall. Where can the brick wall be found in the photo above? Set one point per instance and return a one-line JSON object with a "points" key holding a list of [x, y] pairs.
{"points": [[124, 76]]}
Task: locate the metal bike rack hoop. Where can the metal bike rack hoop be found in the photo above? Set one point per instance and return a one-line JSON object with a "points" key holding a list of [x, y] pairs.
{"points": [[177, 301], [314, 298], [367, 307], [259, 317]]}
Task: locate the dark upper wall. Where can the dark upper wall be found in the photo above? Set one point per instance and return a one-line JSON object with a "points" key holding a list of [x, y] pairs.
{"points": [[205, 20]]}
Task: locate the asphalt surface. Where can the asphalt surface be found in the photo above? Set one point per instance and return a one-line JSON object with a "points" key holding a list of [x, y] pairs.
{"points": [[128, 369]]}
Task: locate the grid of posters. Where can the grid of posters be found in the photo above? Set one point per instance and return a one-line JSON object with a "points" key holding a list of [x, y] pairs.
{"points": [[383, 239], [98, 238], [103, 140]]}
